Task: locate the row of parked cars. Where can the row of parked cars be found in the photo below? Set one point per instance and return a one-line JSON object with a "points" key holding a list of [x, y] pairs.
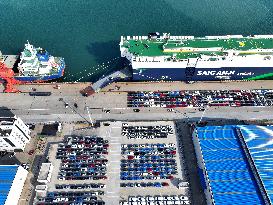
{"points": [[147, 149], [94, 201], [145, 184], [80, 186], [147, 145], [148, 161], [200, 98], [86, 198], [156, 200], [83, 158], [146, 132]]}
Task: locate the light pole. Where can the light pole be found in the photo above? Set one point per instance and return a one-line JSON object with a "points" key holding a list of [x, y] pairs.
{"points": [[207, 107], [183, 114], [87, 108]]}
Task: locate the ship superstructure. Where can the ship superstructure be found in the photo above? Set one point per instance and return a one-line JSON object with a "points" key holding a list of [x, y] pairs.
{"points": [[231, 57], [37, 65]]}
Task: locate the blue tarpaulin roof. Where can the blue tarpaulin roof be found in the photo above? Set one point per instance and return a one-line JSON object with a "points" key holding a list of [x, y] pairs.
{"points": [[7, 174]]}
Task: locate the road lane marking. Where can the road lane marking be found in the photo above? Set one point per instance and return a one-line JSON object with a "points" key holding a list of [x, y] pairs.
{"points": [[38, 109]]}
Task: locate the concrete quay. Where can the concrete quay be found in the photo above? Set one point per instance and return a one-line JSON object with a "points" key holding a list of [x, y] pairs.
{"points": [[33, 109]]}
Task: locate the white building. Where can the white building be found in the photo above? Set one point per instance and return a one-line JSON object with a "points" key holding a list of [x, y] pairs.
{"points": [[12, 180], [41, 190], [14, 134], [45, 173]]}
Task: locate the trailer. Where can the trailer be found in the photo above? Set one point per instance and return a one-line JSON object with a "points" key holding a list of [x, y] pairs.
{"points": [[40, 93]]}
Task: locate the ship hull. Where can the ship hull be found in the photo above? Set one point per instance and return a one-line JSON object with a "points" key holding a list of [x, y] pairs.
{"points": [[202, 74], [42, 77]]}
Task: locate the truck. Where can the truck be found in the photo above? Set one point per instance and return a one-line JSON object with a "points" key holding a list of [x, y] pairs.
{"points": [[87, 91], [40, 93]]}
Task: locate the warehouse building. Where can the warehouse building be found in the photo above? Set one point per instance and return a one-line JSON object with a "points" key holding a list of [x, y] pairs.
{"points": [[235, 163], [12, 179]]}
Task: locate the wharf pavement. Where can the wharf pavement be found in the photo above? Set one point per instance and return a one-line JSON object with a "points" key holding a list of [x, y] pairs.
{"points": [[113, 98]]}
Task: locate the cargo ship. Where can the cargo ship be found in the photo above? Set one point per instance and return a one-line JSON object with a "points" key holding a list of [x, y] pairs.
{"points": [[32, 65], [187, 58]]}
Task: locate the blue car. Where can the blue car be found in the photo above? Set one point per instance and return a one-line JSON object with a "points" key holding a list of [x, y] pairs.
{"points": [[124, 173]]}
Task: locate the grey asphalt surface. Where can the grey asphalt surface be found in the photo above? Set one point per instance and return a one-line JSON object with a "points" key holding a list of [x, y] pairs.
{"points": [[50, 108], [44, 109], [128, 114]]}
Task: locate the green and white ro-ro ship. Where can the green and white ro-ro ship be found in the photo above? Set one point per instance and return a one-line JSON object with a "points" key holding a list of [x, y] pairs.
{"points": [[189, 58]]}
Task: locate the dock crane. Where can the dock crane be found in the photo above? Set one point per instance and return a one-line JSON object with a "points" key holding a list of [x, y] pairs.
{"points": [[7, 75]]}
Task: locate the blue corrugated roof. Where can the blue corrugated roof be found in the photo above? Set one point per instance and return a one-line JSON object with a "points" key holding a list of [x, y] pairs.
{"points": [[226, 165], [259, 140], [228, 171], [238, 199], [7, 174], [217, 144], [222, 154], [235, 186], [224, 175]]}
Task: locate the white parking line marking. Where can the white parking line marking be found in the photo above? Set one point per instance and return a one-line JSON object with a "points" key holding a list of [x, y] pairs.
{"points": [[114, 161], [116, 127], [113, 172], [113, 196], [115, 168], [115, 143]]}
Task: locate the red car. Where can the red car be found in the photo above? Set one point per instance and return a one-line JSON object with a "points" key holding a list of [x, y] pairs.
{"points": [[165, 184], [130, 157], [31, 152]]}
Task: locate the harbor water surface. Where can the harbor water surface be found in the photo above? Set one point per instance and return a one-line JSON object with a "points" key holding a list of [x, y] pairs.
{"points": [[87, 32]]}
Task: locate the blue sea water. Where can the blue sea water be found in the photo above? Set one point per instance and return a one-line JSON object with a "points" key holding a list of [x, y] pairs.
{"points": [[87, 32]]}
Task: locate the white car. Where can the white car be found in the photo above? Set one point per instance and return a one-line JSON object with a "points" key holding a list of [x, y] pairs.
{"points": [[80, 146], [74, 146]]}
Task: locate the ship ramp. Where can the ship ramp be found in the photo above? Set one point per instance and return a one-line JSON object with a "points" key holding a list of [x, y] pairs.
{"points": [[123, 74], [113, 77]]}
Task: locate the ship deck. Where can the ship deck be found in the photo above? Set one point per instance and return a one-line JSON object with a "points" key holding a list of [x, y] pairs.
{"points": [[192, 48]]}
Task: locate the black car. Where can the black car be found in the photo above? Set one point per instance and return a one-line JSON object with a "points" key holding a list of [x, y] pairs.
{"points": [[136, 110]]}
